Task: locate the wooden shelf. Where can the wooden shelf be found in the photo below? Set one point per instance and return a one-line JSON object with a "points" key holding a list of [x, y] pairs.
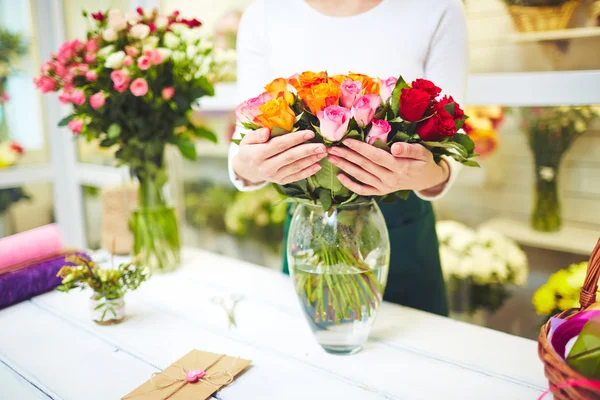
{"points": [[571, 238], [563, 34]]}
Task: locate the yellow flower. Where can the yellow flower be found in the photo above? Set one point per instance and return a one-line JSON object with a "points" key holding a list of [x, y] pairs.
{"points": [[560, 284], [278, 88], [320, 96], [567, 303], [544, 300], [277, 113]]}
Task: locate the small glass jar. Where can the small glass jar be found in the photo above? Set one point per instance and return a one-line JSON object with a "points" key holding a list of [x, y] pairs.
{"points": [[107, 311]]}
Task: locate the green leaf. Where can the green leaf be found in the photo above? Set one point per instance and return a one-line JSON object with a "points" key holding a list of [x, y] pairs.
{"points": [[447, 145], [354, 134], [65, 121], [584, 357], [325, 199], [450, 108], [204, 133], [107, 143], [250, 125], [400, 137], [465, 141], [277, 131], [471, 163], [380, 144], [402, 194], [397, 119], [113, 132], [186, 147], [327, 177], [352, 198], [299, 117], [400, 84], [389, 198]]}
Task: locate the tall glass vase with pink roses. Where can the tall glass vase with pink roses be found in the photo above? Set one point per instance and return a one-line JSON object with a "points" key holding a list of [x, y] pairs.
{"points": [[131, 84], [338, 246]]}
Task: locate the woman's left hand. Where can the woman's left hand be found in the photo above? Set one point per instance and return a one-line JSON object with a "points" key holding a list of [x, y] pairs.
{"points": [[408, 167]]}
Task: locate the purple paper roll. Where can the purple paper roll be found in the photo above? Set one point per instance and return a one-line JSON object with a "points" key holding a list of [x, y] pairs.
{"points": [[28, 282]]}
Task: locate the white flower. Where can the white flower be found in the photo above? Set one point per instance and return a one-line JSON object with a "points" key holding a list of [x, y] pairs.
{"points": [[191, 35], [161, 22], [450, 262], [148, 12], [178, 56], [580, 126], [206, 43], [116, 20], [140, 31], [150, 43], [191, 51], [164, 53], [105, 51], [179, 27], [547, 173], [171, 40], [115, 60], [110, 35], [133, 17]]}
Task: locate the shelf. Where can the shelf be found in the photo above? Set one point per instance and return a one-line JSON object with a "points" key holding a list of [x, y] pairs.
{"points": [[20, 175], [224, 99], [563, 34], [571, 238]]}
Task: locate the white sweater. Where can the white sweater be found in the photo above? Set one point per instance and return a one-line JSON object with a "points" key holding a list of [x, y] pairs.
{"points": [[414, 38]]}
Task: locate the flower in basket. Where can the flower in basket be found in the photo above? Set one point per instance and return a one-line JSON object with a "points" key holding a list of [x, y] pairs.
{"points": [[485, 259], [109, 285], [131, 84], [561, 292], [376, 111]]}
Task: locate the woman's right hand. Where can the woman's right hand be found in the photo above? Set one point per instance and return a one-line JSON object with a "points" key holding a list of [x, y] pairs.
{"points": [[283, 159]]}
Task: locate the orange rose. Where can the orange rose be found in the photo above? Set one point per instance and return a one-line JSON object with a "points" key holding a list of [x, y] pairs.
{"points": [[308, 79], [485, 141], [278, 88], [370, 85], [276, 113], [337, 79], [320, 96]]}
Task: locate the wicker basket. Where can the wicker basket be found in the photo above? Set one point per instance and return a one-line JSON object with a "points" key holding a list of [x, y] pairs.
{"points": [[535, 19], [556, 369], [595, 12]]}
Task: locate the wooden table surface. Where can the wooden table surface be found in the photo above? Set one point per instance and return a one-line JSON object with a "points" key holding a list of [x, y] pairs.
{"points": [[49, 347]]}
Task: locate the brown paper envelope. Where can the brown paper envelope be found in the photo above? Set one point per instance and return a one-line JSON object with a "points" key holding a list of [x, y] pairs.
{"points": [[171, 383]]}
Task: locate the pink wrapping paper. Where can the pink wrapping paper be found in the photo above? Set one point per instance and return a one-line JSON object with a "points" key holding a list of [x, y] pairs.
{"points": [[29, 246]]}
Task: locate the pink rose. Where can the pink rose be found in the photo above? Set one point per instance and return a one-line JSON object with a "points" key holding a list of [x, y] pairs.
{"points": [[120, 80], [167, 93], [89, 58], [128, 61], [97, 100], [333, 121], [78, 97], [132, 51], [91, 46], [155, 56], [386, 87], [351, 90], [45, 84], [75, 125], [139, 87], [65, 52], [364, 109], [65, 97], [144, 63], [247, 110], [91, 75], [60, 69], [379, 130], [4, 97], [47, 67]]}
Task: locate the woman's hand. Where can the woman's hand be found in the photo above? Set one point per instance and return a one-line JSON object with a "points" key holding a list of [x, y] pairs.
{"points": [[283, 159], [408, 167]]}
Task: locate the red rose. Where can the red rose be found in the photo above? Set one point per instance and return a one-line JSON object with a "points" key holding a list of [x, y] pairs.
{"points": [[413, 104], [191, 23], [140, 11], [152, 27], [458, 112], [98, 16], [427, 86], [16, 148], [438, 127]]}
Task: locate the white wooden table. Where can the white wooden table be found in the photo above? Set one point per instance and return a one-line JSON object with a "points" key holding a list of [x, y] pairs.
{"points": [[49, 347]]}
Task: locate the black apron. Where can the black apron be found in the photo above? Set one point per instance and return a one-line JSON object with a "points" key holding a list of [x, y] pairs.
{"points": [[415, 277]]}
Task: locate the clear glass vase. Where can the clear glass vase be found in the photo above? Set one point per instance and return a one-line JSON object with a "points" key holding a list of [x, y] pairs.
{"points": [[154, 227], [339, 265], [107, 311], [546, 215]]}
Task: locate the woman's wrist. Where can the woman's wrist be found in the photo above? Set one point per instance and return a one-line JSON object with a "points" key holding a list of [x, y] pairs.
{"points": [[444, 177], [237, 168]]}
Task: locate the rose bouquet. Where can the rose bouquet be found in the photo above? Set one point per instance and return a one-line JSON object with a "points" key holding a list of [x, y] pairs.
{"points": [[478, 266], [131, 84], [338, 246]]}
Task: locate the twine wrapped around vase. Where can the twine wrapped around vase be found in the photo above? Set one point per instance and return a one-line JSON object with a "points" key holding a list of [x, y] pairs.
{"points": [[547, 18], [118, 202]]}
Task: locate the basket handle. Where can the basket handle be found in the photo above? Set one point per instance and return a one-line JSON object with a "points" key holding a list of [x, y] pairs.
{"points": [[590, 286]]}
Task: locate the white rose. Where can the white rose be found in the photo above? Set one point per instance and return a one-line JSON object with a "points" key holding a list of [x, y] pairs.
{"points": [[133, 17], [148, 12], [162, 22], [171, 40], [179, 27], [140, 31], [115, 60], [206, 42], [116, 20], [191, 35], [178, 56], [150, 43], [105, 51], [110, 35], [165, 54]]}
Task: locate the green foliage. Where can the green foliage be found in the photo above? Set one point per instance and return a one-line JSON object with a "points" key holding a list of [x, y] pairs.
{"points": [[110, 283]]}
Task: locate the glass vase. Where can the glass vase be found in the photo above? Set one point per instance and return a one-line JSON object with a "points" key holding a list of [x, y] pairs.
{"points": [[107, 311], [154, 227], [339, 264], [546, 215]]}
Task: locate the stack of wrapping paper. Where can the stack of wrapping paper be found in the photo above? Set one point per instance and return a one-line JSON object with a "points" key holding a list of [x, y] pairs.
{"points": [[29, 262]]}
